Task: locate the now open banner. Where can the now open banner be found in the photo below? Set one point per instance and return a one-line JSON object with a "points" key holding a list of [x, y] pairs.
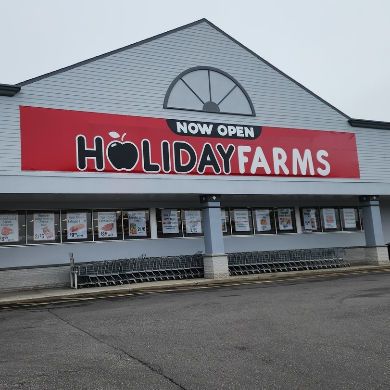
{"points": [[76, 141]]}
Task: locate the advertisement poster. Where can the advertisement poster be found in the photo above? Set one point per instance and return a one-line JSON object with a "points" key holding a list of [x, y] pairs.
{"points": [[285, 219], [102, 142], [349, 218], [309, 219], [44, 227], [241, 220], [137, 223], [76, 226], [9, 228], [223, 221], [329, 217], [263, 220], [170, 221], [107, 224], [193, 221]]}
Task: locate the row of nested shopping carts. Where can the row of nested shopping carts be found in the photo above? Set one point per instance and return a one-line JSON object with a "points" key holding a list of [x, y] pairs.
{"points": [[148, 269], [245, 263], [135, 270]]}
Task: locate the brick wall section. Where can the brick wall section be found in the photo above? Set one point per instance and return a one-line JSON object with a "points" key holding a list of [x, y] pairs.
{"points": [[367, 255], [32, 278]]}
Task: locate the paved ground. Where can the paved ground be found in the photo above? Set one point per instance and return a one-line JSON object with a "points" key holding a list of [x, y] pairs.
{"points": [[314, 333]]}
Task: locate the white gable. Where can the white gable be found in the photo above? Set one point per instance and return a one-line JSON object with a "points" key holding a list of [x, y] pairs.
{"points": [[134, 81]]}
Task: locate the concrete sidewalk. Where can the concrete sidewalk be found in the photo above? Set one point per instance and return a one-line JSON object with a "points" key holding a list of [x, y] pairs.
{"points": [[37, 296]]}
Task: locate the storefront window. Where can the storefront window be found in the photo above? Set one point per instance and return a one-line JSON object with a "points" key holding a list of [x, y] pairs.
{"points": [[12, 228], [192, 223], [330, 219], [136, 224], [361, 219], [350, 218], [225, 222], [264, 221], [310, 219], [107, 225], [286, 220], [169, 223], [43, 227], [241, 221], [76, 225]]}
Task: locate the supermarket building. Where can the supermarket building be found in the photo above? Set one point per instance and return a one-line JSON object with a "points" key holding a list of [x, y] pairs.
{"points": [[183, 143]]}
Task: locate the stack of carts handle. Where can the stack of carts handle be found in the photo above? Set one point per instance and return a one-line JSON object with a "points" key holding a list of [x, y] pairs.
{"points": [[135, 270], [148, 269], [246, 263]]}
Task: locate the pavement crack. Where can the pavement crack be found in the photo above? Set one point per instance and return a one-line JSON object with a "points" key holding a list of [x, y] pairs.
{"points": [[120, 350]]}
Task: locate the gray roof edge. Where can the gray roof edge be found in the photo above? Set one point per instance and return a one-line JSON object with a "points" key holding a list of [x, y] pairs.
{"points": [[367, 123], [9, 90]]}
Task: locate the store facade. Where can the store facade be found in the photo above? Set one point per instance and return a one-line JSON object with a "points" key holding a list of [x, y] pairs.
{"points": [[186, 142]]}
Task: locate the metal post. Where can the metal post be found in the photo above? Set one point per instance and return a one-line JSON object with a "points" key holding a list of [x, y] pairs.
{"points": [[153, 223], [71, 260]]}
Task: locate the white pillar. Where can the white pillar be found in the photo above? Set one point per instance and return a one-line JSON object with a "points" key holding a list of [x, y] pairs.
{"points": [[153, 223], [373, 231], [298, 221], [215, 259]]}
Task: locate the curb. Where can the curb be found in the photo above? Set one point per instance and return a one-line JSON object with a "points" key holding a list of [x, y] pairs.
{"points": [[24, 298]]}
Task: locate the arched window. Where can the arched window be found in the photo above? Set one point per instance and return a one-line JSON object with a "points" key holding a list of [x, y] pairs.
{"points": [[209, 90]]}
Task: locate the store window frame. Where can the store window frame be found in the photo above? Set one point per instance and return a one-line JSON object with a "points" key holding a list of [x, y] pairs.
{"points": [[30, 227], [160, 233], [126, 227], [227, 221], [293, 221], [22, 228], [318, 219], [272, 215], [249, 232], [95, 225], [64, 217], [360, 209], [207, 106], [183, 217], [357, 219], [338, 220]]}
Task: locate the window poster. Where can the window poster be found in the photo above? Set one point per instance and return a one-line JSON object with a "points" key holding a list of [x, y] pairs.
{"points": [[44, 229], [76, 226], [241, 220], [285, 219], [329, 217], [263, 220], [223, 221], [170, 221], [309, 219], [9, 228], [349, 218], [107, 227], [193, 221], [137, 223]]}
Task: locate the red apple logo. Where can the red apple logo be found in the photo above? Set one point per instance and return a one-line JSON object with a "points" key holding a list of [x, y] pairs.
{"points": [[123, 156]]}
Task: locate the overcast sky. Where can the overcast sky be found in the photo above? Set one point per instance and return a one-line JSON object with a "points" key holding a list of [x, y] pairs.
{"points": [[340, 49]]}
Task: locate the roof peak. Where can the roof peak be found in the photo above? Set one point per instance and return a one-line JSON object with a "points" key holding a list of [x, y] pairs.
{"points": [[196, 22]]}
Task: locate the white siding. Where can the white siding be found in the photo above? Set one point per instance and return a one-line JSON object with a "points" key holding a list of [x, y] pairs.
{"points": [[134, 82]]}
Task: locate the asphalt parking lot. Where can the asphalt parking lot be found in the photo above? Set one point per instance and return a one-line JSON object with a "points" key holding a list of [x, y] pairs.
{"points": [[316, 333]]}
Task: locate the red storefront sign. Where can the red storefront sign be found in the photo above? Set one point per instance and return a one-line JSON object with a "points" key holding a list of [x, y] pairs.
{"points": [[74, 141]]}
